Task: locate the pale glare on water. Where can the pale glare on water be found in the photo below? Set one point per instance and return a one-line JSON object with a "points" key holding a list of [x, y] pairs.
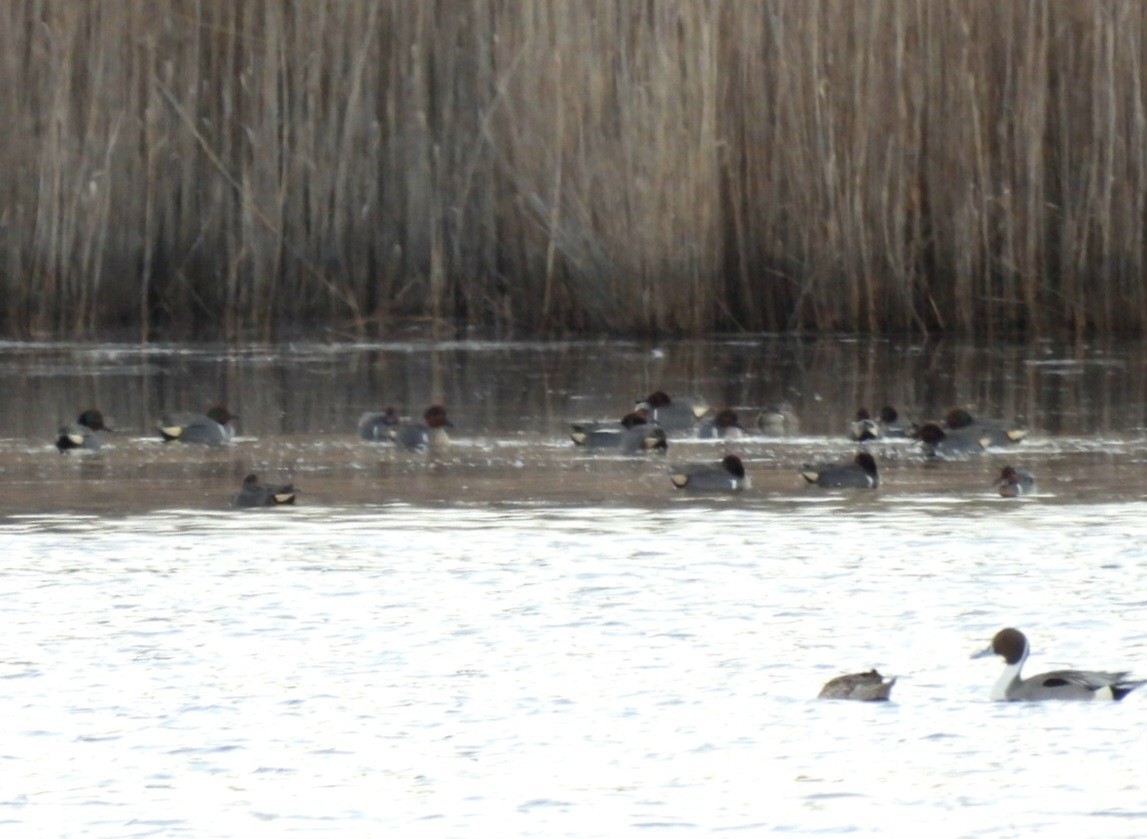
{"points": [[518, 640]]}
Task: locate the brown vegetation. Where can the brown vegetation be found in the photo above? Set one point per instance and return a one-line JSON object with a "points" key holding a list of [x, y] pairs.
{"points": [[677, 166]]}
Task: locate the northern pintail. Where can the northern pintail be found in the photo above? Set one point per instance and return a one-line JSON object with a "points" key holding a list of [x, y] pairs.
{"points": [[428, 434], [996, 432], [859, 474], [81, 434], [1058, 684], [378, 427], [255, 494], [727, 475], [673, 415], [863, 687], [210, 429], [778, 420], [1014, 482], [725, 424]]}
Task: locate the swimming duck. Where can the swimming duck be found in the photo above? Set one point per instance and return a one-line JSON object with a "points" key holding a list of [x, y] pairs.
{"points": [[673, 416], [1014, 482], [891, 424], [378, 427], [937, 442], [996, 432], [728, 475], [863, 687], [428, 434], [634, 434], [255, 494], [859, 474], [210, 429], [864, 427], [82, 433], [778, 420], [1058, 684], [723, 425]]}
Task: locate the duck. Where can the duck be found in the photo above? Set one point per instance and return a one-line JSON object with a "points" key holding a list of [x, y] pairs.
{"points": [[634, 434], [82, 433], [891, 423], [778, 420], [1084, 685], [210, 429], [428, 434], [378, 427], [936, 442], [1014, 482], [862, 687], [864, 428], [673, 416], [996, 432], [255, 494], [861, 473], [727, 475], [725, 424]]}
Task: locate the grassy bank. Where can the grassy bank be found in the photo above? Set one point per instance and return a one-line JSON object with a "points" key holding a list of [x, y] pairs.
{"points": [[673, 167]]}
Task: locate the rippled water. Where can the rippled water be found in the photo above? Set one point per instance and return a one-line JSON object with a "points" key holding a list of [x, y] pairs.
{"points": [[514, 639]]}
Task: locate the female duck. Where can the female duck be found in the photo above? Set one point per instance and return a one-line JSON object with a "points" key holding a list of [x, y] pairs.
{"points": [[862, 687]]}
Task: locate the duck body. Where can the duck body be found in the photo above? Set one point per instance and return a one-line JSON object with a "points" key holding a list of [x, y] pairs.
{"points": [[1014, 482], [724, 425], [892, 425], [860, 687], [864, 428], [938, 442], [1074, 685], [633, 434], [778, 420], [673, 416], [255, 494], [210, 429], [991, 431], [728, 475], [861, 473], [81, 434], [379, 427], [428, 434]]}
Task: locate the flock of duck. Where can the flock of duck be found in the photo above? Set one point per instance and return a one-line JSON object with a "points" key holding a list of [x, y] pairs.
{"points": [[647, 428]]}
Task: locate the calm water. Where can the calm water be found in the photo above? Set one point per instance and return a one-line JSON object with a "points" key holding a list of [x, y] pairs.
{"points": [[516, 639]]}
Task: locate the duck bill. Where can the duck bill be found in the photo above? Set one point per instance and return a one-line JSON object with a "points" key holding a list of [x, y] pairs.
{"points": [[986, 652]]}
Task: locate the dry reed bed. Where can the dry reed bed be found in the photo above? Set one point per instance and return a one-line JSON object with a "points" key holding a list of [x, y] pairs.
{"points": [[673, 167]]}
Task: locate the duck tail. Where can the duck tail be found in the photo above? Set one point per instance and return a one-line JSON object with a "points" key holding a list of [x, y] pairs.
{"points": [[1120, 690]]}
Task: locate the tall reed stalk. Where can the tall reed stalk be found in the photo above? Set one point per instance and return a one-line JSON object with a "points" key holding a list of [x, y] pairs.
{"points": [[626, 167]]}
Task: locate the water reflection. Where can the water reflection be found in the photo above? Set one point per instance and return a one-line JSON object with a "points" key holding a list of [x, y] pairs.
{"points": [[321, 388]]}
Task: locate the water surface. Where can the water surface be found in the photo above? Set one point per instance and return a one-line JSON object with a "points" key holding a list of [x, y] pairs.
{"points": [[514, 638]]}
